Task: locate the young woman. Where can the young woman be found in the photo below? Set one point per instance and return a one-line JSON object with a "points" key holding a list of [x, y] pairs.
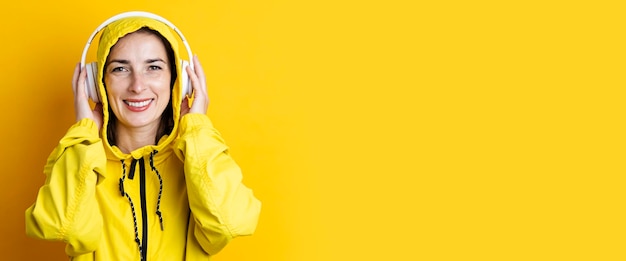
{"points": [[144, 175]]}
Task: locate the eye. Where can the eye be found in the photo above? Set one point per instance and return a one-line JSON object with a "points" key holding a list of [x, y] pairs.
{"points": [[118, 69], [154, 67]]}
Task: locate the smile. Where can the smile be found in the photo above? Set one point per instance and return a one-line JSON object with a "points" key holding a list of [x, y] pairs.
{"points": [[138, 104]]}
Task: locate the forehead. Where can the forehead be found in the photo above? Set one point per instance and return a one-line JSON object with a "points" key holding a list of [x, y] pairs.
{"points": [[139, 43]]}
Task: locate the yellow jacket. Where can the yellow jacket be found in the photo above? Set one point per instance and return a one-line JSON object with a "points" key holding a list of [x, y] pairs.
{"points": [[181, 199]]}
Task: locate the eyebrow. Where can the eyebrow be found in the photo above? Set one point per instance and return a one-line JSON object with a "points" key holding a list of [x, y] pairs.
{"points": [[155, 60], [127, 61], [119, 61]]}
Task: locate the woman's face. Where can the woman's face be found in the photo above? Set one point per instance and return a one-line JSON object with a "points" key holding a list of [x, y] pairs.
{"points": [[137, 78]]}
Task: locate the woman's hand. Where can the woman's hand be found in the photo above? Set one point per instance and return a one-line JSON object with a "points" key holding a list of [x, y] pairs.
{"points": [[197, 79], [81, 101]]}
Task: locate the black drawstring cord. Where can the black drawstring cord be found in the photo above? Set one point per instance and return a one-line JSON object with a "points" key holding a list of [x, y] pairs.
{"points": [[132, 206], [158, 208]]}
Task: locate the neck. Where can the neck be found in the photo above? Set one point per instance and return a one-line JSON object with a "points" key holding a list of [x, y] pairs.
{"points": [[130, 139]]}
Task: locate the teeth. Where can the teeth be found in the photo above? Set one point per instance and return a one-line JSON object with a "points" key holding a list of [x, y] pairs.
{"points": [[138, 104]]}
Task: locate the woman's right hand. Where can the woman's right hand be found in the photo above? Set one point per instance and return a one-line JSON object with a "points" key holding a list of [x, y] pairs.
{"points": [[81, 101]]}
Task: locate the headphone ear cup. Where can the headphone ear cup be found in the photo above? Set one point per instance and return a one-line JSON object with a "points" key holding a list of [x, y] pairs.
{"points": [[186, 83], [91, 86]]}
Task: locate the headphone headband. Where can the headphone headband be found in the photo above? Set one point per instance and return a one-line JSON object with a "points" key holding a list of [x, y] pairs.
{"points": [[135, 14]]}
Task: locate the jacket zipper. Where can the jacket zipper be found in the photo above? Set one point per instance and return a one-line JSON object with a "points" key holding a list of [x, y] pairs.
{"points": [[144, 212]]}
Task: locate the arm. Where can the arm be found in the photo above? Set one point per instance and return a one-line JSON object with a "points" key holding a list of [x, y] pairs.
{"points": [[221, 206], [66, 208]]}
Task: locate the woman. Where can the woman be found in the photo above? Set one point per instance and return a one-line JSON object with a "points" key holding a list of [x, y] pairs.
{"points": [[144, 175]]}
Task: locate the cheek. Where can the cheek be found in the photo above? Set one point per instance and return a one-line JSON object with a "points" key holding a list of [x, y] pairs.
{"points": [[112, 85], [162, 86], [166, 94]]}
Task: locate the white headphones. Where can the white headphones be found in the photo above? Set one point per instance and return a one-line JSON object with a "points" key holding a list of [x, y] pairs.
{"points": [[91, 84]]}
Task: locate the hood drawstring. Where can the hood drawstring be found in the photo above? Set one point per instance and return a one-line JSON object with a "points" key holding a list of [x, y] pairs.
{"points": [[131, 174], [132, 206], [156, 171]]}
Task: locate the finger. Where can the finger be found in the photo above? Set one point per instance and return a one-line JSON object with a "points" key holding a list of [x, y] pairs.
{"points": [[193, 77], [201, 76], [198, 68], [75, 77], [80, 85], [198, 80]]}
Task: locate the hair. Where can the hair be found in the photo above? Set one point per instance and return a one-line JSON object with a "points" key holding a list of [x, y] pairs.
{"points": [[167, 118]]}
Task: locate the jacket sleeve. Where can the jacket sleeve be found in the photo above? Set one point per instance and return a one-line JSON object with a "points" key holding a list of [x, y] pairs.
{"points": [[221, 205], [66, 208]]}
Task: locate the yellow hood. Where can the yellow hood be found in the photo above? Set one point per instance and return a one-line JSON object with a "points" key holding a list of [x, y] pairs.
{"points": [[109, 37]]}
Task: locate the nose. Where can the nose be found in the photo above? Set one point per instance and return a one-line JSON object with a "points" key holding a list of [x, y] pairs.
{"points": [[137, 83]]}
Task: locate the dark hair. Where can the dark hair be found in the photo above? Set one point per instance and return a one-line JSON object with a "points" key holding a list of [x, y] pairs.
{"points": [[167, 118]]}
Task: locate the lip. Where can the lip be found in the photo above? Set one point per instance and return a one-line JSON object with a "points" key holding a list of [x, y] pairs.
{"points": [[138, 105]]}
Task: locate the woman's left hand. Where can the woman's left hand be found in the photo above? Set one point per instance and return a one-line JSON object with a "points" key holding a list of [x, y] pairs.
{"points": [[200, 102]]}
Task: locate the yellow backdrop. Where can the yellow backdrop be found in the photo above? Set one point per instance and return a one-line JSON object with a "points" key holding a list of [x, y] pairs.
{"points": [[371, 130]]}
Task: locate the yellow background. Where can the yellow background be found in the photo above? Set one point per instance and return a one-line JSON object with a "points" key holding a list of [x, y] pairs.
{"points": [[371, 130]]}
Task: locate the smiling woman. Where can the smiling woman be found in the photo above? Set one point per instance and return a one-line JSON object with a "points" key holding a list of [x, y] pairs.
{"points": [[143, 175], [138, 76]]}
